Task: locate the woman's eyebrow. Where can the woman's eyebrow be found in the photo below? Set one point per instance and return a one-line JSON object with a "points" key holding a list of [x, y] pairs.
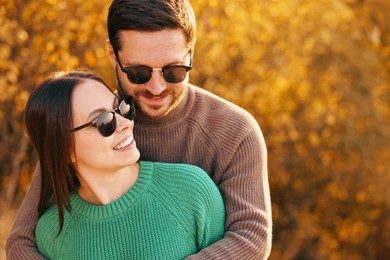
{"points": [[101, 110], [96, 113]]}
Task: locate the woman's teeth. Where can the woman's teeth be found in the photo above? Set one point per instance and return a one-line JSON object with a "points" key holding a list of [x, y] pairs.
{"points": [[123, 144]]}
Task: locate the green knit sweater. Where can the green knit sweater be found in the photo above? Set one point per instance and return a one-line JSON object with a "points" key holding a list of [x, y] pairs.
{"points": [[172, 211]]}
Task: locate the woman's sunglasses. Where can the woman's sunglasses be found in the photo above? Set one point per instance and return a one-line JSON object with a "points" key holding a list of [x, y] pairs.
{"points": [[142, 74], [106, 122]]}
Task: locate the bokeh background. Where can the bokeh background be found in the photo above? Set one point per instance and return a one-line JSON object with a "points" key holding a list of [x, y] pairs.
{"points": [[315, 75]]}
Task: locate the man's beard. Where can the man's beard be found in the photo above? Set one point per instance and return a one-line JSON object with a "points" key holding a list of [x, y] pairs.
{"points": [[177, 99]]}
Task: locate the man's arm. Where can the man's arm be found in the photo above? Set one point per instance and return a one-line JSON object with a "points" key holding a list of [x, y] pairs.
{"points": [[245, 189], [21, 241]]}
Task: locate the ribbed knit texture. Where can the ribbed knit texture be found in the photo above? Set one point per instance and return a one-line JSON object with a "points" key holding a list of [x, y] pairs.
{"points": [[172, 211], [215, 135]]}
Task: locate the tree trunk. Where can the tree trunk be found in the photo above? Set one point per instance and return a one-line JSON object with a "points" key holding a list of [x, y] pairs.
{"points": [[17, 161]]}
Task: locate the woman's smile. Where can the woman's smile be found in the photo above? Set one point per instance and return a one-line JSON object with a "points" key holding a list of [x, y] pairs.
{"points": [[125, 143]]}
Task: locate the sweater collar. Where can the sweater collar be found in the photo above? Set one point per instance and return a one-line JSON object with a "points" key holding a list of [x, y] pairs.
{"points": [[81, 207]]}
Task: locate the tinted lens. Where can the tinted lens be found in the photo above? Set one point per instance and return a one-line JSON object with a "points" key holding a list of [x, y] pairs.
{"points": [[106, 123], [126, 108], [174, 74], [139, 75], [171, 74]]}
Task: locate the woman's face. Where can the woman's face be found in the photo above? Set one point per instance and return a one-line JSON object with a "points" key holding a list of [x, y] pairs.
{"points": [[94, 153]]}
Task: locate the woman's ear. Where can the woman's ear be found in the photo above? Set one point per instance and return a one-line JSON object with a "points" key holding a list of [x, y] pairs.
{"points": [[73, 157]]}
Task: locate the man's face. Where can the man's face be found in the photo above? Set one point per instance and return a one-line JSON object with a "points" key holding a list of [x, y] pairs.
{"points": [[156, 97]]}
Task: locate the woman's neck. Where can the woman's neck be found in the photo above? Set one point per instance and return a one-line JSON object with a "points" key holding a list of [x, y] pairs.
{"points": [[104, 188]]}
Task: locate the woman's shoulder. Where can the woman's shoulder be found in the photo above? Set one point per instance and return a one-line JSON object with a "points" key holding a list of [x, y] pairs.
{"points": [[187, 186], [49, 221], [181, 172], [47, 231], [185, 179]]}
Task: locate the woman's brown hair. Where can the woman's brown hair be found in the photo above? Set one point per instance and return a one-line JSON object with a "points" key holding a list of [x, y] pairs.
{"points": [[48, 120]]}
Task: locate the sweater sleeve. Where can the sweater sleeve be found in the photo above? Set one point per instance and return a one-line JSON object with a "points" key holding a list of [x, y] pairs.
{"points": [[244, 186], [200, 209], [46, 231], [209, 212], [21, 241]]}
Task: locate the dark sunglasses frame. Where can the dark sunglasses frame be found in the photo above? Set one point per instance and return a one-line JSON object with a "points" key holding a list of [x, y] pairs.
{"points": [[166, 71], [108, 128]]}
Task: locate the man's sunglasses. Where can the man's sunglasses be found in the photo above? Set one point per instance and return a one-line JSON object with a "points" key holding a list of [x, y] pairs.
{"points": [[106, 122], [141, 74]]}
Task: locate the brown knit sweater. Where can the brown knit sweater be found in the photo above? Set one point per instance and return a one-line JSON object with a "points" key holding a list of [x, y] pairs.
{"points": [[215, 135]]}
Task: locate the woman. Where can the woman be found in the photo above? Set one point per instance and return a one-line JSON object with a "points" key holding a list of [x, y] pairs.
{"points": [[97, 200]]}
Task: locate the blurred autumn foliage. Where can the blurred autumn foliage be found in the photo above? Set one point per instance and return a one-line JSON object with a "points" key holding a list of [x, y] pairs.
{"points": [[315, 74]]}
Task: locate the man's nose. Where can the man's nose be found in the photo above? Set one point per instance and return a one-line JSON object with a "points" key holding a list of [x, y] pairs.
{"points": [[156, 84]]}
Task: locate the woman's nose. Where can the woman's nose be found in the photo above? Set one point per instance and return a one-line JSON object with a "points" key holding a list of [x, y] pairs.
{"points": [[124, 123]]}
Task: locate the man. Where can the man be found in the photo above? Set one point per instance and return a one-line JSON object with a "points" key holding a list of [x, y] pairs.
{"points": [[151, 46]]}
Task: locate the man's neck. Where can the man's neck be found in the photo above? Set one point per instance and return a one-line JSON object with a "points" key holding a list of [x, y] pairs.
{"points": [[176, 102]]}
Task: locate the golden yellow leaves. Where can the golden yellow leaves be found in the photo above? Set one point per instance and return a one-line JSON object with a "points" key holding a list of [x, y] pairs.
{"points": [[315, 74]]}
